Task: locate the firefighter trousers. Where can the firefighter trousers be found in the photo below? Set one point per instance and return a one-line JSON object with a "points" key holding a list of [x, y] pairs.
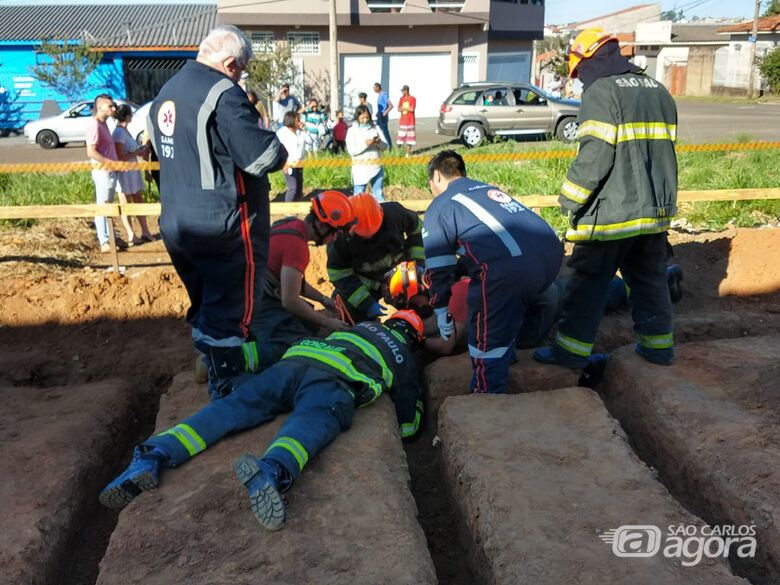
{"points": [[642, 263], [321, 406]]}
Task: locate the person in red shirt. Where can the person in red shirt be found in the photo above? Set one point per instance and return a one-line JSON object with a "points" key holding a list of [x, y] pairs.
{"points": [[406, 105], [339, 131]]}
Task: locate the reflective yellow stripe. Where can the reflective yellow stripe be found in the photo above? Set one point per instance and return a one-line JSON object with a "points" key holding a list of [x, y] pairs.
{"points": [[646, 131], [294, 447], [369, 350], [337, 274], [194, 435], [606, 132], [340, 363], [617, 231], [572, 345], [417, 252], [357, 297], [663, 341], [187, 436], [251, 361], [575, 192], [409, 429]]}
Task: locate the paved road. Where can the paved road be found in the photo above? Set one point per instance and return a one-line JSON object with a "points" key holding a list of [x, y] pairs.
{"points": [[699, 122]]}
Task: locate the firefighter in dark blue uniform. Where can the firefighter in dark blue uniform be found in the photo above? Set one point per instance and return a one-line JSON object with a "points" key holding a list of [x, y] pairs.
{"points": [[321, 382], [214, 161], [511, 254]]}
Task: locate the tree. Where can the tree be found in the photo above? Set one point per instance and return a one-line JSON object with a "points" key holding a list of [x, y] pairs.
{"points": [[66, 66], [674, 16], [769, 65], [557, 46], [772, 8], [271, 67]]}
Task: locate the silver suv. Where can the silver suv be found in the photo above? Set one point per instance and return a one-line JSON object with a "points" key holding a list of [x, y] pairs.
{"points": [[476, 110]]}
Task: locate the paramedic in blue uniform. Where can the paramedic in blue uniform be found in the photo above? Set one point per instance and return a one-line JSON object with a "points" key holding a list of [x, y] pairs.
{"points": [[511, 255], [214, 161]]}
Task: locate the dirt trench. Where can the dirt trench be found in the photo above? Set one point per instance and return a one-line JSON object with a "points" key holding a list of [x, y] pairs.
{"points": [[65, 320]]}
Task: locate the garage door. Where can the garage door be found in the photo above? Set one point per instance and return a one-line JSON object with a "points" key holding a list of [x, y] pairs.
{"points": [[428, 76], [359, 73]]}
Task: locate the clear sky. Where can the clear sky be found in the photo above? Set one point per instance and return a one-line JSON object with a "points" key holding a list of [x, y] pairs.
{"points": [[564, 11], [556, 11]]}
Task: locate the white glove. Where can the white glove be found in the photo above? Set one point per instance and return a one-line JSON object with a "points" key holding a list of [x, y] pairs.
{"points": [[445, 322]]}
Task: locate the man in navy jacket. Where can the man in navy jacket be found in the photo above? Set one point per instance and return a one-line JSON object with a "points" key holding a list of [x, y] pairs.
{"points": [[214, 161]]}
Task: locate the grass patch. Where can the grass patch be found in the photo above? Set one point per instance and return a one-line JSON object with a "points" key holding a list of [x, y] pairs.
{"points": [[697, 171]]}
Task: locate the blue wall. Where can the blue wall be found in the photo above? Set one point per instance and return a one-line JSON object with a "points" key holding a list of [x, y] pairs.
{"points": [[21, 95]]}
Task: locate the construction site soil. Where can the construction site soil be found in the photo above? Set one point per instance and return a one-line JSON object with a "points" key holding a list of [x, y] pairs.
{"points": [[86, 354]]}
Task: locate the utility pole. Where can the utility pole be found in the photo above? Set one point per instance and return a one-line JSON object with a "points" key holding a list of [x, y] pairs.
{"points": [[753, 42], [334, 61]]}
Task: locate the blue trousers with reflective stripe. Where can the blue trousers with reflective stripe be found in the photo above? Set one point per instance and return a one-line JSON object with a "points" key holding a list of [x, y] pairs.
{"points": [[497, 302], [642, 262], [321, 406]]}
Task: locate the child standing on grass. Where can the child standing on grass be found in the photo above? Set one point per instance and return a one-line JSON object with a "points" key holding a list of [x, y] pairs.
{"points": [[365, 143]]}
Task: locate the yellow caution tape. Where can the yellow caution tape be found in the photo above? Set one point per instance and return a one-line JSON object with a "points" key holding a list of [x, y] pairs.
{"points": [[388, 161]]}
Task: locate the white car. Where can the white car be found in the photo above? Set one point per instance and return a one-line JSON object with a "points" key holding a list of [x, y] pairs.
{"points": [[70, 125]]}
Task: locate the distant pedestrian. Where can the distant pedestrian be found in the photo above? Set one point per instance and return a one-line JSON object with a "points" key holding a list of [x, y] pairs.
{"points": [[363, 101], [406, 105], [339, 132], [284, 102], [383, 107], [364, 144], [131, 183], [293, 139], [314, 121], [101, 149], [265, 121]]}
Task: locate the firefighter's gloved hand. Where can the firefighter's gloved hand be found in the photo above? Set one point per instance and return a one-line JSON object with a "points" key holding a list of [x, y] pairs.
{"points": [[445, 322], [376, 310]]}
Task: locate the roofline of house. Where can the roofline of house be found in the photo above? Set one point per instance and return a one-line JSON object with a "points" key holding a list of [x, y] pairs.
{"points": [[610, 14], [131, 49]]}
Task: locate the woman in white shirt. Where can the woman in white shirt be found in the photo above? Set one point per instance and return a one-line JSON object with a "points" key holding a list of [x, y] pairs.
{"points": [[365, 143], [131, 183], [293, 140]]}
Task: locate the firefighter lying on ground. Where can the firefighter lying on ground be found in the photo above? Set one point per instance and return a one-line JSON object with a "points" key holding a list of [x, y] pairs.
{"points": [[385, 234], [321, 382]]}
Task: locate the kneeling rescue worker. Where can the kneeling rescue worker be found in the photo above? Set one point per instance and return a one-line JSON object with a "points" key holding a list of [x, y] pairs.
{"points": [[321, 381], [511, 255], [284, 316], [620, 195], [385, 234]]}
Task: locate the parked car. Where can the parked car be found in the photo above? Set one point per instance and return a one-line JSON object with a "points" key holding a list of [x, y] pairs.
{"points": [[70, 125], [476, 110]]}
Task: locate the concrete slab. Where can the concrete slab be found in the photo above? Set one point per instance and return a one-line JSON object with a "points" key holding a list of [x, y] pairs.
{"points": [[55, 447], [539, 477], [709, 424], [351, 516]]}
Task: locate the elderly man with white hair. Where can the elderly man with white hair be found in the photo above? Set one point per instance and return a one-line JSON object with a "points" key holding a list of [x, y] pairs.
{"points": [[214, 162]]}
